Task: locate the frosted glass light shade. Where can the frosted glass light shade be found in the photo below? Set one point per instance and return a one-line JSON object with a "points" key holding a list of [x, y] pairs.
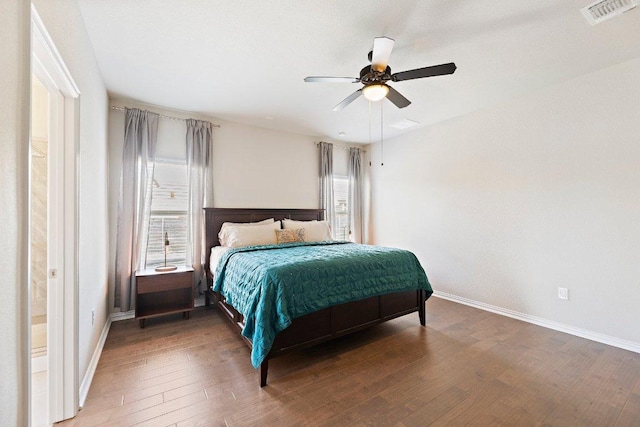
{"points": [[375, 92]]}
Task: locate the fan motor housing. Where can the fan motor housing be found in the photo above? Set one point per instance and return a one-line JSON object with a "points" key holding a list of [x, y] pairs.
{"points": [[370, 76]]}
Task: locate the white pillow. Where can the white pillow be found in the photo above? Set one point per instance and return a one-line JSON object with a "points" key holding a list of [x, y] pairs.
{"points": [[239, 236], [216, 254], [314, 231], [222, 235]]}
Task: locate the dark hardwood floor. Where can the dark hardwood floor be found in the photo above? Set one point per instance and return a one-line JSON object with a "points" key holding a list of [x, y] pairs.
{"points": [[466, 367]]}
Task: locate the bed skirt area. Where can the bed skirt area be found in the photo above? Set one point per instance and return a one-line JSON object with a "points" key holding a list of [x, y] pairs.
{"points": [[331, 322]]}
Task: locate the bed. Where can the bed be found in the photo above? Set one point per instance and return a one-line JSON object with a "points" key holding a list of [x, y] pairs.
{"points": [[313, 326]]}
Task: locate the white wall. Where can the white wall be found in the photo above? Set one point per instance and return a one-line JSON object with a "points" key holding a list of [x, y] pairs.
{"points": [[252, 167], [505, 205], [64, 23], [14, 146]]}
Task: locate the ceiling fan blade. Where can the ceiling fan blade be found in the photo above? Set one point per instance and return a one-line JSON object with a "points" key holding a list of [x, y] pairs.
{"points": [[418, 73], [382, 47], [397, 99], [348, 100], [313, 79]]}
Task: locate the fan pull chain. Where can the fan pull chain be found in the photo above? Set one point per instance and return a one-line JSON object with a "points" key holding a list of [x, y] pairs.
{"points": [[381, 136], [369, 122]]}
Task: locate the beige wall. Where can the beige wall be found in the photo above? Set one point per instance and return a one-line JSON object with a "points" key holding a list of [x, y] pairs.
{"points": [[505, 205], [64, 23], [14, 145]]}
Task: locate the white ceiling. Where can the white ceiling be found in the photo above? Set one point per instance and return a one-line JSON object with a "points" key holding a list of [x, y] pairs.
{"points": [[245, 60]]}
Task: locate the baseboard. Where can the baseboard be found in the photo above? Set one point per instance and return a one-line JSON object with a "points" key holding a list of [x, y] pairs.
{"points": [[583, 333], [93, 364], [123, 315], [131, 314]]}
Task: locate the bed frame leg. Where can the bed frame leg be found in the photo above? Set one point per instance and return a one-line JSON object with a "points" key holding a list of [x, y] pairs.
{"points": [[422, 309], [264, 367]]}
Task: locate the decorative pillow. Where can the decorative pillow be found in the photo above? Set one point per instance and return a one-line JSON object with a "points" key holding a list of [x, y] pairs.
{"points": [[290, 236], [315, 231], [223, 234], [255, 235]]}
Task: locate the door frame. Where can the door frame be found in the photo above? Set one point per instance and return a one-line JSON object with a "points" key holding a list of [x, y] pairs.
{"points": [[62, 293]]}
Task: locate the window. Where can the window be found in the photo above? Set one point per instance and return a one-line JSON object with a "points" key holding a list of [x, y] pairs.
{"points": [[169, 204], [341, 200]]}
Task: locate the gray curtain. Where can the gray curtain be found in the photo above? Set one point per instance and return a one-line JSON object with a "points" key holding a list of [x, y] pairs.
{"points": [[326, 182], [138, 156], [355, 195], [199, 134]]}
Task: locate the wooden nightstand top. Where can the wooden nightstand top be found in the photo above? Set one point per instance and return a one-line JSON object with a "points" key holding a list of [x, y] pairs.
{"points": [[153, 272]]}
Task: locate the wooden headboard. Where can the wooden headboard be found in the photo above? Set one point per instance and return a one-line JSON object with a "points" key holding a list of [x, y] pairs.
{"points": [[214, 217]]}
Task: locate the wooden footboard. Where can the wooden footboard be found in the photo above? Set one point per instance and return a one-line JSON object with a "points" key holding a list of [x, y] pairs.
{"points": [[331, 322]]}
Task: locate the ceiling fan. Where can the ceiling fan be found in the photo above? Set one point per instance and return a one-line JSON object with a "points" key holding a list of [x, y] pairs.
{"points": [[375, 76]]}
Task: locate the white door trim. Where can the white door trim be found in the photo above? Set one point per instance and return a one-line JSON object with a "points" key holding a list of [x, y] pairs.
{"points": [[48, 66]]}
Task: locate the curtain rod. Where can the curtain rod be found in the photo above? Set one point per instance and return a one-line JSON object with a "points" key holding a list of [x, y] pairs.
{"points": [[343, 147], [163, 116]]}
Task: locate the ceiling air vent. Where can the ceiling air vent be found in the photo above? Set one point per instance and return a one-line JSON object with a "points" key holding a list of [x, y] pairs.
{"points": [[606, 9]]}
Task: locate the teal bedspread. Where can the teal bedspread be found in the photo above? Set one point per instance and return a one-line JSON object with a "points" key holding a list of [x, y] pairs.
{"points": [[271, 285]]}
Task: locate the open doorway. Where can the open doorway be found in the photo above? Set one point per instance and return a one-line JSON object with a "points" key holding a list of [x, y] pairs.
{"points": [[53, 233], [39, 190]]}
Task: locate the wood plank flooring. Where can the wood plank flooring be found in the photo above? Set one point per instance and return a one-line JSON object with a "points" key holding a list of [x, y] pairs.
{"points": [[466, 367]]}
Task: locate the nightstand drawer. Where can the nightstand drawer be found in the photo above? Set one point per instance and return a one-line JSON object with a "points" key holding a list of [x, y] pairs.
{"points": [[164, 282]]}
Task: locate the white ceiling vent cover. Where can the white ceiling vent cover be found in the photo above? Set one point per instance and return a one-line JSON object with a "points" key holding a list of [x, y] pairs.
{"points": [[606, 9], [405, 124]]}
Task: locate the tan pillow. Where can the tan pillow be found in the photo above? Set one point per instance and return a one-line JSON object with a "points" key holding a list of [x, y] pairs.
{"points": [[290, 236], [315, 231], [223, 235], [249, 236]]}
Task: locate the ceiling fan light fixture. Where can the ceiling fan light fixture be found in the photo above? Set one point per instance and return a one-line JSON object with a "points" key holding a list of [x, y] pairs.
{"points": [[375, 92], [375, 76]]}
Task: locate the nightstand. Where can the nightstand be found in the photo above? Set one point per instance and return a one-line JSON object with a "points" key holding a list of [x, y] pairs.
{"points": [[160, 293]]}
